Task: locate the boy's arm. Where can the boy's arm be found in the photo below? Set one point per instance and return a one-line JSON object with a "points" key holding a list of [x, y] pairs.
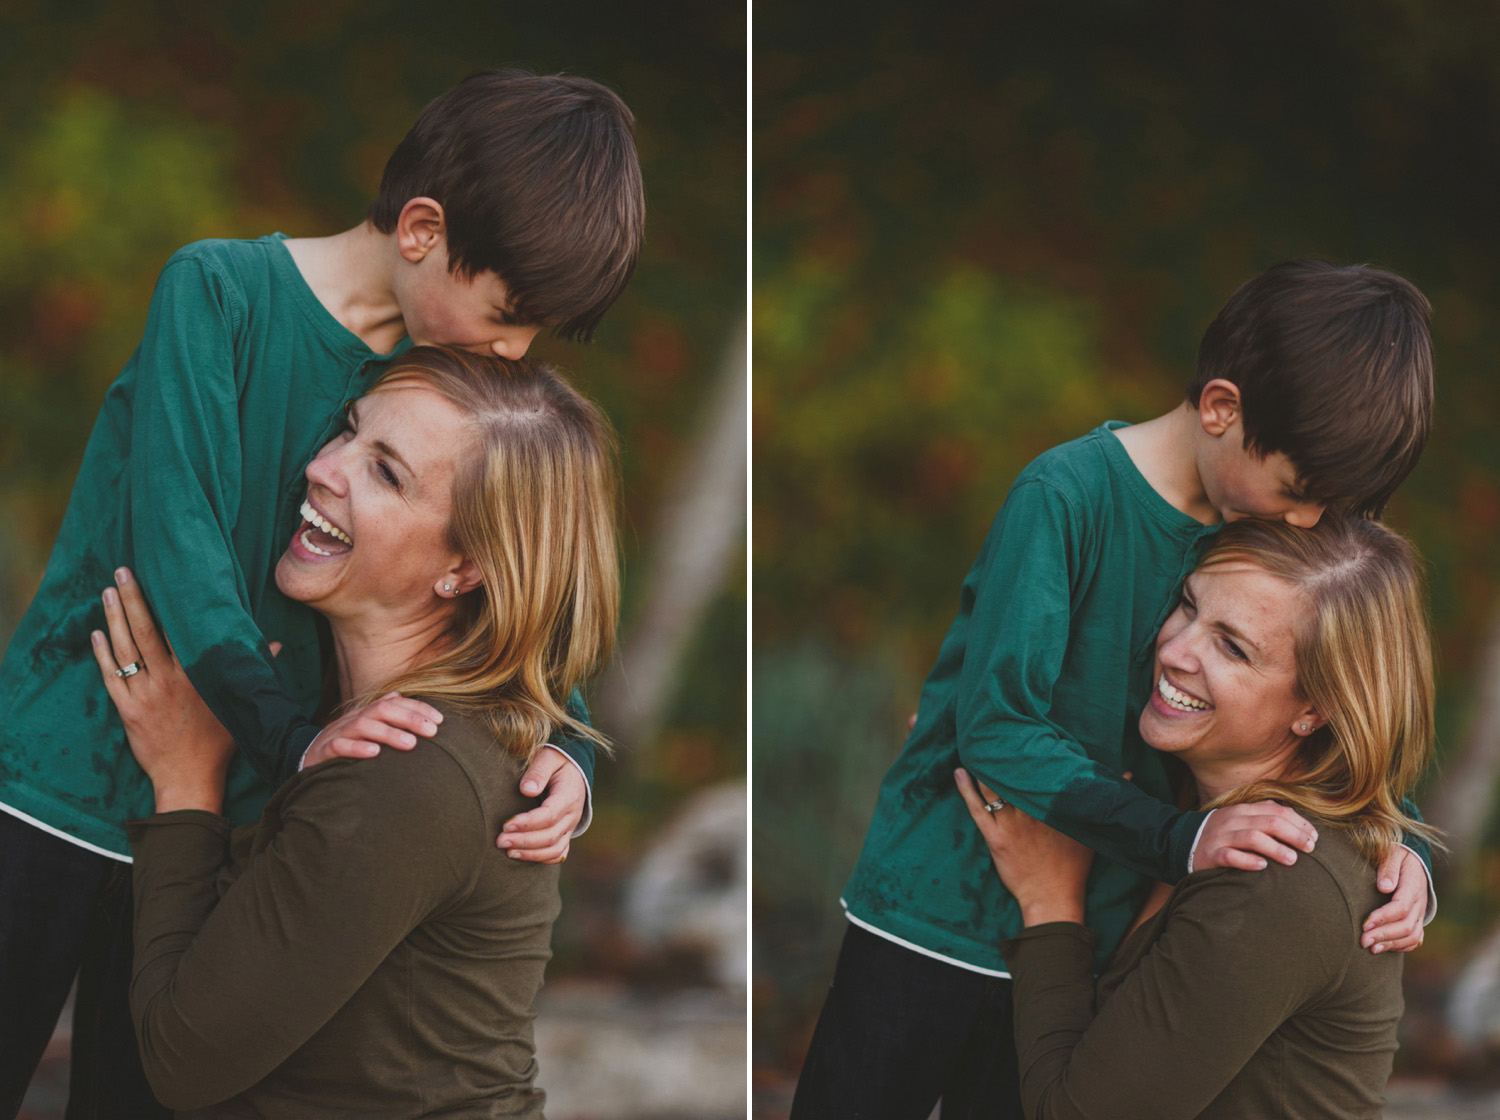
{"points": [[565, 769], [1020, 627], [185, 476]]}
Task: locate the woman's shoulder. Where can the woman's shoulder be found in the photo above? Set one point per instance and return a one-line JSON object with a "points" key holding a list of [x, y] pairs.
{"points": [[1332, 884], [492, 771]]}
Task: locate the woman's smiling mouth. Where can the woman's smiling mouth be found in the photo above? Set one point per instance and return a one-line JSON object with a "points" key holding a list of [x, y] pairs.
{"points": [[1177, 699], [321, 536]]}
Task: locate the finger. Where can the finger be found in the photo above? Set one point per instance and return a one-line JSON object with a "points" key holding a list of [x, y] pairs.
{"points": [[1390, 870], [343, 747], [377, 729], [556, 853], [410, 715], [1287, 826], [544, 817], [988, 794], [120, 641], [1245, 861], [1404, 945], [1262, 843], [971, 797], [1392, 922], [147, 638], [534, 839], [540, 773], [113, 685]]}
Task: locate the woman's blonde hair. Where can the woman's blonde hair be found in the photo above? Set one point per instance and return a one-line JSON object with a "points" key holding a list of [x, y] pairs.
{"points": [[1364, 662], [534, 511]]}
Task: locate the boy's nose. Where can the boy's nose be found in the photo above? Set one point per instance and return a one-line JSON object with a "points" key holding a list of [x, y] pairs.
{"points": [[514, 343], [1304, 516]]}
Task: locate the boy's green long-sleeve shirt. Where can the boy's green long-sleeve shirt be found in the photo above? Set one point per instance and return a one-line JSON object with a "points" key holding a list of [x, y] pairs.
{"points": [[1037, 690], [192, 477]]}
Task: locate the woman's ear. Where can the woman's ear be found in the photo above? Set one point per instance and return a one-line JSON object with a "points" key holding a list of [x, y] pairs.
{"points": [[1218, 406], [463, 577], [1307, 723]]}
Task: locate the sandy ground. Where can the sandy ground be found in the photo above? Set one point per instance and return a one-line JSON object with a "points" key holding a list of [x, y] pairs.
{"points": [[605, 1053]]}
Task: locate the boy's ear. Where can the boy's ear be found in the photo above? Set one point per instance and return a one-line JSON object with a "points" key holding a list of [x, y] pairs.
{"points": [[1218, 406], [420, 228]]}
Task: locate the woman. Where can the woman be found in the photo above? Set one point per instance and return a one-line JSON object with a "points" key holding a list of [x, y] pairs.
{"points": [[364, 949], [1297, 667]]}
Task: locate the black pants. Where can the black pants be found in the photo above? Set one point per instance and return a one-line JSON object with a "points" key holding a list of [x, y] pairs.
{"points": [[65, 912], [899, 1031]]}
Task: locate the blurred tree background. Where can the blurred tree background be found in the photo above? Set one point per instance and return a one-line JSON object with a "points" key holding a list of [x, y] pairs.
{"points": [[980, 230], [129, 130]]}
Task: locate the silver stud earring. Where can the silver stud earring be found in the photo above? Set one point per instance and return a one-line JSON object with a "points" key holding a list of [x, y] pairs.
{"points": [[449, 587], [1304, 727]]}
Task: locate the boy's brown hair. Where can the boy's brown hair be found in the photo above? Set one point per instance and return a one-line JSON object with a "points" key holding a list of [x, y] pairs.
{"points": [[539, 183], [1334, 368]]}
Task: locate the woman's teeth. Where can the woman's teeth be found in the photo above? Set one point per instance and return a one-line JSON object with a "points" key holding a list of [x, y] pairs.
{"points": [[327, 526], [1178, 699]]}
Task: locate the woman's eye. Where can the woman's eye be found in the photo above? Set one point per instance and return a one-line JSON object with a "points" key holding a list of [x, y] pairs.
{"points": [[1234, 650], [387, 475]]}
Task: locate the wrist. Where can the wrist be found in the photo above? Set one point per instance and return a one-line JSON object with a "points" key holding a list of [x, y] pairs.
{"points": [[196, 793], [1039, 911]]}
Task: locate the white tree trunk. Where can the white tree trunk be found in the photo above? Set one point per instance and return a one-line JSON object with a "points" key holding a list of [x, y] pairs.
{"points": [[695, 539]]}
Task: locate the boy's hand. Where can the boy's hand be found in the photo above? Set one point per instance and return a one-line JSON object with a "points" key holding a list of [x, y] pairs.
{"points": [[543, 834], [392, 721], [1397, 926], [1245, 836], [181, 745]]}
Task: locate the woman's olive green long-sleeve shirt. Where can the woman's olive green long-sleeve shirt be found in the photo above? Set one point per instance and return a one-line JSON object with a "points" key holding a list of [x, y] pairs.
{"points": [[1247, 995], [363, 949]]}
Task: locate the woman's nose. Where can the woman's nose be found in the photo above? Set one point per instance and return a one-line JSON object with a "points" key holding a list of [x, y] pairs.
{"points": [[324, 469]]}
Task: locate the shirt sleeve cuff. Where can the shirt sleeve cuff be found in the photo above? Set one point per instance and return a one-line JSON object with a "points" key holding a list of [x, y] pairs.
{"points": [[1193, 851], [588, 791]]}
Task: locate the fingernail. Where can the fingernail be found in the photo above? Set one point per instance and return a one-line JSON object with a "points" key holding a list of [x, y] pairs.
{"points": [[1379, 948], [1291, 858], [369, 751], [409, 739], [514, 855], [96, 637], [1260, 865], [437, 716], [530, 787], [1386, 886], [430, 727], [122, 575], [109, 596], [505, 841]]}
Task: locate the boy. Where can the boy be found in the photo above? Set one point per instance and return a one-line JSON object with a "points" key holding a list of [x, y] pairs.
{"points": [[513, 204], [1313, 387]]}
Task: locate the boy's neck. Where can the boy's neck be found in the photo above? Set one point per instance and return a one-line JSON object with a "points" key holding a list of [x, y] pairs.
{"points": [[1165, 451], [351, 273]]}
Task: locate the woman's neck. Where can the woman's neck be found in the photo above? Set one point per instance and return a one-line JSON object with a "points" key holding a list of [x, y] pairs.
{"points": [[1220, 776], [366, 657]]}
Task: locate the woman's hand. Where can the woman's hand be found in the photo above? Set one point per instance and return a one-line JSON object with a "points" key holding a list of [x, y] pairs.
{"points": [[1044, 870], [181, 745]]}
